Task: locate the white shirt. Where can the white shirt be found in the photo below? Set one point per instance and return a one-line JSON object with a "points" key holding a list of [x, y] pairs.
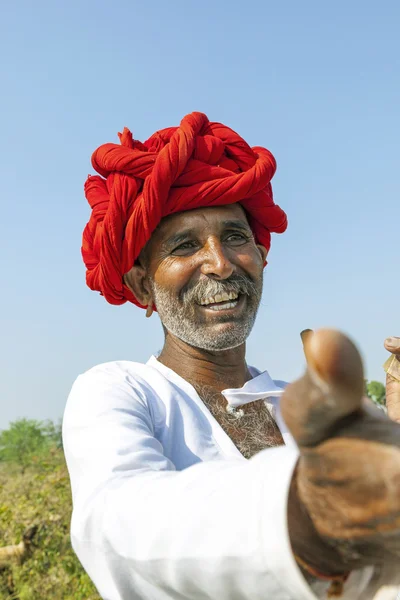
{"points": [[164, 504]]}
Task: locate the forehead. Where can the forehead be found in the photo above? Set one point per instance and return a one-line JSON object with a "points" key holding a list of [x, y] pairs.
{"points": [[211, 219]]}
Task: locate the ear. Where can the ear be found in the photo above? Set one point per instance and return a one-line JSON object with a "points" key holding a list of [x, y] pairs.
{"points": [[263, 252], [137, 281]]}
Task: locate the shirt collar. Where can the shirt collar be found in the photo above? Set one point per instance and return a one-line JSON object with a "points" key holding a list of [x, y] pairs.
{"points": [[260, 387]]}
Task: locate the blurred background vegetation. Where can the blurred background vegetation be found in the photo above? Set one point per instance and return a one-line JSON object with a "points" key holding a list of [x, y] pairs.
{"points": [[376, 391], [35, 492]]}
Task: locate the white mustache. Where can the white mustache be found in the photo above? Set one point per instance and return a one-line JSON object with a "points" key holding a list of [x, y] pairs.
{"points": [[238, 284]]}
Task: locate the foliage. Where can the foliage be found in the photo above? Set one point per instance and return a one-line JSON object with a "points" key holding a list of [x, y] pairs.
{"points": [[376, 391], [38, 495], [53, 432], [26, 440]]}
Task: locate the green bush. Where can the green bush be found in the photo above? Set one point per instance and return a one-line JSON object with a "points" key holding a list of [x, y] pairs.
{"points": [[27, 440], [35, 490], [376, 391]]}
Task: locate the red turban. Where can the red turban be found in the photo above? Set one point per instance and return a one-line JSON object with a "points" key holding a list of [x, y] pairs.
{"points": [[180, 168]]}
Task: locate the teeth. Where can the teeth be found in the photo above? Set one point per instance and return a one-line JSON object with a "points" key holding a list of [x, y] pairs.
{"points": [[223, 306], [220, 298]]}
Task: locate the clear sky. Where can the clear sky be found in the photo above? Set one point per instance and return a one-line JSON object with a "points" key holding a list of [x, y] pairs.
{"points": [[318, 83]]}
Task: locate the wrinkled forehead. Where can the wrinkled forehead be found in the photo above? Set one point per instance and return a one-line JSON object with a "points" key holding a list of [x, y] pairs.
{"points": [[210, 219]]}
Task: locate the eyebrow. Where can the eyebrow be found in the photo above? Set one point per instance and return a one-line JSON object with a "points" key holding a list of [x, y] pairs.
{"points": [[181, 236], [236, 224]]}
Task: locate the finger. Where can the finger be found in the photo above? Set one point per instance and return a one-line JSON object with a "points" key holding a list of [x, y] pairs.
{"points": [[392, 344], [393, 398], [330, 390], [392, 368]]}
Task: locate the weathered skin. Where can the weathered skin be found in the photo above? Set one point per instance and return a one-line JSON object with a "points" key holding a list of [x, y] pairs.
{"points": [[348, 475], [392, 383]]}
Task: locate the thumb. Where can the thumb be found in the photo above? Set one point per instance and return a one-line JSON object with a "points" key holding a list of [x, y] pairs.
{"points": [[331, 389], [305, 338]]}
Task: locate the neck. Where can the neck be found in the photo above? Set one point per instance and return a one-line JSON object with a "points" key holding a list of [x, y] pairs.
{"points": [[219, 370]]}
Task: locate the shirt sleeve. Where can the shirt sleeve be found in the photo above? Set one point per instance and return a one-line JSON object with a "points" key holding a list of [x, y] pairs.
{"points": [[216, 530]]}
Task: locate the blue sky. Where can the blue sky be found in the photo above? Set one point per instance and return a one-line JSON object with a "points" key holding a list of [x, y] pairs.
{"points": [[317, 83]]}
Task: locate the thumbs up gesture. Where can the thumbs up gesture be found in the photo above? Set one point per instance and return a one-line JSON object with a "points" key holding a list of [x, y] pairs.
{"points": [[344, 505]]}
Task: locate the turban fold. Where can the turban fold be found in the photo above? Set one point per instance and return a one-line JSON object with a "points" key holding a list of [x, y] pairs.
{"points": [[198, 164]]}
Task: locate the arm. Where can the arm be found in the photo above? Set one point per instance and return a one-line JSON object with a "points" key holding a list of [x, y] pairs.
{"points": [[215, 530]]}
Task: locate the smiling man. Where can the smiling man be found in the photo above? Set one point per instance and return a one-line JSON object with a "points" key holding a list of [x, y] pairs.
{"points": [[222, 304], [195, 475]]}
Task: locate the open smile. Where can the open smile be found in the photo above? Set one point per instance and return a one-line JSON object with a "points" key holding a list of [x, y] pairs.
{"points": [[223, 302]]}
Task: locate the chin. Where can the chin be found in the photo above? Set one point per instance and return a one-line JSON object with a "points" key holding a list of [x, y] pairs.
{"points": [[213, 348], [221, 337], [212, 337]]}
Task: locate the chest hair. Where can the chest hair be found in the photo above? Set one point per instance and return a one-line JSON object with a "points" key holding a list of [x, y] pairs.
{"points": [[252, 432]]}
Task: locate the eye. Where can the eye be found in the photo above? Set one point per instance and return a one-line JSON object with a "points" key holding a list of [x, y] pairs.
{"points": [[184, 248], [237, 238]]}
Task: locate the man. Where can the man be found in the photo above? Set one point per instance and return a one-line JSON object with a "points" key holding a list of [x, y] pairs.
{"points": [[186, 479]]}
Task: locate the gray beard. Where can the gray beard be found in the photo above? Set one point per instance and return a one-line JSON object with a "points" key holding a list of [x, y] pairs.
{"points": [[256, 430], [178, 317]]}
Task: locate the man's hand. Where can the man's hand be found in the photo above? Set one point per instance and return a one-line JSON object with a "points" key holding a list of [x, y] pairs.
{"points": [[392, 344], [344, 505]]}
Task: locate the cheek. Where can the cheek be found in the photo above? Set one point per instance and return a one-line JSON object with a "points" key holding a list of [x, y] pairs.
{"points": [[251, 262], [173, 274]]}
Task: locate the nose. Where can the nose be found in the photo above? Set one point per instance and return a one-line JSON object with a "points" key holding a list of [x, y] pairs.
{"points": [[215, 262]]}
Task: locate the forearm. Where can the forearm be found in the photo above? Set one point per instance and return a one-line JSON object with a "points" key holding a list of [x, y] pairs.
{"points": [[215, 530]]}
